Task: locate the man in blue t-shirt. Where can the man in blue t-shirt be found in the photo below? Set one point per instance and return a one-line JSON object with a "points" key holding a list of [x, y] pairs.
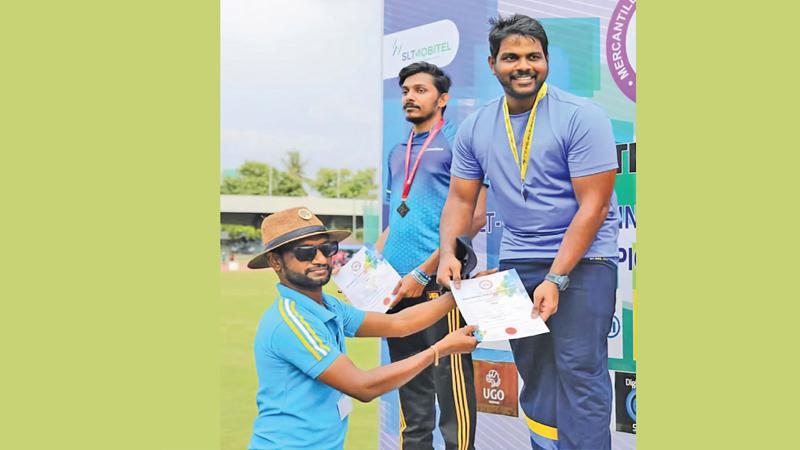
{"points": [[418, 178], [550, 159], [305, 379]]}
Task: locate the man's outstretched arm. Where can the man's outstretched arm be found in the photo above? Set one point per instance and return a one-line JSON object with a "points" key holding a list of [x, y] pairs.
{"points": [[407, 321], [365, 385]]}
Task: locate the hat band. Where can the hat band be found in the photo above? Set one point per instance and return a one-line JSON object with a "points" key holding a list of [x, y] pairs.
{"points": [[294, 234]]}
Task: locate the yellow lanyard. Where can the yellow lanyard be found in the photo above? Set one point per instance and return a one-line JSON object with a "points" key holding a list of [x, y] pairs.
{"points": [[527, 137]]}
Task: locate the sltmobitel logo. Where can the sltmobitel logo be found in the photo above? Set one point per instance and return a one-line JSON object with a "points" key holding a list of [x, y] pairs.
{"points": [[435, 42]]}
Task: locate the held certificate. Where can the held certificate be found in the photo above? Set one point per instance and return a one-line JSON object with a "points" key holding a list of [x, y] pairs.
{"points": [[367, 280], [499, 305]]}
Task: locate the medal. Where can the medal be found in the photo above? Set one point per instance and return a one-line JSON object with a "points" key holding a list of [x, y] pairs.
{"points": [[403, 209]]}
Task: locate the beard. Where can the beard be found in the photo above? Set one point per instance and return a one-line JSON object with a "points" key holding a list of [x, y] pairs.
{"points": [[511, 92], [420, 119], [304, 281]]}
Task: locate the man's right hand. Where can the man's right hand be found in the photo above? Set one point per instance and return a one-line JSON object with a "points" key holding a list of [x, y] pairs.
{"points": [[458, 341], [449, 269]]}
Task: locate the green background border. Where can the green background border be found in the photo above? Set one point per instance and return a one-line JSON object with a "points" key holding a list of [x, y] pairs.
{"points": [[110, 141], [717, 155], [110, 149]]}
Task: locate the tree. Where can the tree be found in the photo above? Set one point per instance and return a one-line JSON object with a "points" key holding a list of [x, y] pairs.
{"points": [[254, 169], [340, 183], [294, 165], [289, 186], [240, 185], [328, 181], [360, 185], [255, 178], [241, 232]]}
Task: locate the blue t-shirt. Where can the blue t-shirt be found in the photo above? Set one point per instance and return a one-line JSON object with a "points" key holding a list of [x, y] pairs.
{"points": [[572, 137], [297, 339], [414, 237]]}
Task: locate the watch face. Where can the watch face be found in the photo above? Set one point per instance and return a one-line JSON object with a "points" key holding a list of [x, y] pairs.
{"points": [[562, 281]]}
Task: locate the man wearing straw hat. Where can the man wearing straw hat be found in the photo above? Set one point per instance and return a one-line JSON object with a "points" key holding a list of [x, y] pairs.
{"points": [[305, 378]]}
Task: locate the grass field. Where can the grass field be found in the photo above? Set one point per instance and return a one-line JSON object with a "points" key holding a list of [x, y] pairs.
{"points": [[245, 297]]}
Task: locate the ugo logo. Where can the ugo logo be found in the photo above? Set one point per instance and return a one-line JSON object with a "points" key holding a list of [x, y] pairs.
{"points": [[621, 47], [493, 378], [356, 266], [493, 394], [485, 285]]}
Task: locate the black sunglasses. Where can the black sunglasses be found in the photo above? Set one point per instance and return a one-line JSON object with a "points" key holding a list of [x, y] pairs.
{"points": [[307, 253]]}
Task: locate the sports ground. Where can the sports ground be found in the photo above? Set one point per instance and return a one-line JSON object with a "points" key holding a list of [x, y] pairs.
{"points": [[244, 298]]}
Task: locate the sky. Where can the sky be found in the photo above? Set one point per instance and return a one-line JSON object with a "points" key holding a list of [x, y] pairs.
{"points": [[301, 75]]}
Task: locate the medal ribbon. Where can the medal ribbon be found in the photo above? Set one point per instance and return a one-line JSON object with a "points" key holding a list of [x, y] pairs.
{"points": [[410, 177], [527, 137]]}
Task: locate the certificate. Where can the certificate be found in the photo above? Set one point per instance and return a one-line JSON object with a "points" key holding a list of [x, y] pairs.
{"points": [[499, 305], [367, 280]]}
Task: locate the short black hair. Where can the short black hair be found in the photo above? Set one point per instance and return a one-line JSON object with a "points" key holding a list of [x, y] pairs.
{"points": [[440, 79], [518, 24]]}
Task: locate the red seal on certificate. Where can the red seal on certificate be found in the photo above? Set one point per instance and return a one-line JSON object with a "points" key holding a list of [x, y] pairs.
{"points": [[511, 331], [386, 301]]}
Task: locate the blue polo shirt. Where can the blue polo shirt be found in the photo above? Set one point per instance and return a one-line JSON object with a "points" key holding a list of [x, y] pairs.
{"points": [[572, 137], [414, 237], [297, 339]]}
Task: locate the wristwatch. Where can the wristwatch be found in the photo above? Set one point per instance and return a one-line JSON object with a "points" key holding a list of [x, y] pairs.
{"points": [[562, 281]]}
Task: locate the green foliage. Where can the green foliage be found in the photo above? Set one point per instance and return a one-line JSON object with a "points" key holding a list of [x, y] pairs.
{"points": [[244, 232], [330, 182], [288, 186], [327, 183], [360, 185], [254, 179], [242, 185], [254, 169], [294, 165]]}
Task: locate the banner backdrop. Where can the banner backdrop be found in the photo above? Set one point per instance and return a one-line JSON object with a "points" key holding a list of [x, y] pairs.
{"points": [[592, 53]]}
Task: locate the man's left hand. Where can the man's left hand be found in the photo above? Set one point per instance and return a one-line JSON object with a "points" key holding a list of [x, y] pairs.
{"points": [[407, 287], [545, 300]]}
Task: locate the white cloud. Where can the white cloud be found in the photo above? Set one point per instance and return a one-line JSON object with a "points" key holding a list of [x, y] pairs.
{"points": [[302, 75]]}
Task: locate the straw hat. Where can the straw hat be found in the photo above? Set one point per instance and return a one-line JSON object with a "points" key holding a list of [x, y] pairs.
{"points": [[288, 226]]}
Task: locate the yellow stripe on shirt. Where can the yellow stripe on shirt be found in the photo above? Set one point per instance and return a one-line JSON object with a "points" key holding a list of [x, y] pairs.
{"points": [[308, 327], [296, 332]]}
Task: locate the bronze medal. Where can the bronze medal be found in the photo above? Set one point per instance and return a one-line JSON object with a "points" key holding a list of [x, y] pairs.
{"points": [[403, 209]]}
